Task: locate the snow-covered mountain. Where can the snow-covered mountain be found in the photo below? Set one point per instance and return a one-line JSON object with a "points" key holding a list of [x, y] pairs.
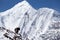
{"points": [[33, 23], [13, 17]]}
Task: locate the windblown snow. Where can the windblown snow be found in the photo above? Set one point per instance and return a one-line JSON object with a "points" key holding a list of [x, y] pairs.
{"points": [[34, 24]]}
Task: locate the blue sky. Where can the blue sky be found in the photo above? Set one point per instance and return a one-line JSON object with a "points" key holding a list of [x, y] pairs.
{"points": [[7, 4]]}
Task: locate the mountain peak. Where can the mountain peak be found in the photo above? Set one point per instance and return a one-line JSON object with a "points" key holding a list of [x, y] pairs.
{"points": [[24, 4], [46, 9], [16, 13]]}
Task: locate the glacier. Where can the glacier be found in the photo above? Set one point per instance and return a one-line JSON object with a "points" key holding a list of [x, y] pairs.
{"points": [[34, 24]]}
